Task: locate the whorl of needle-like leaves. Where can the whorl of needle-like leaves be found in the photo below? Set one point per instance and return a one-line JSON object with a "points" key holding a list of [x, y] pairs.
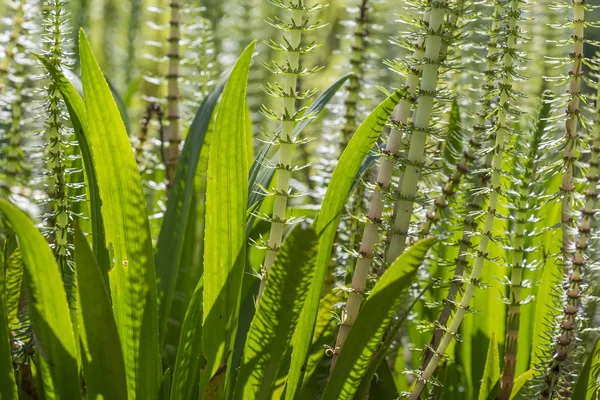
{"points": [[295, 24], [505, 111]]}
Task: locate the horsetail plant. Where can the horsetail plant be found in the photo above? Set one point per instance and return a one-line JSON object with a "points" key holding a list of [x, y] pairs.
{"points": [[556, 378], [504, 111], [174, 137], [380, 192], [294, 26]]}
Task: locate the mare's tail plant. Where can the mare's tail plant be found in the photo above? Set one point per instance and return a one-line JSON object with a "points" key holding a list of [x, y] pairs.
{"points": [[295, 23]]}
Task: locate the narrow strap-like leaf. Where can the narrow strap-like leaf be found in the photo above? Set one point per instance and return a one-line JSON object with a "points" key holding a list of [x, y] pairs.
{"points": [[52, 326], [8, 386], [587, 387], [131, 274], [274, 322], [225, 234], [372, 321], [101, 353]]}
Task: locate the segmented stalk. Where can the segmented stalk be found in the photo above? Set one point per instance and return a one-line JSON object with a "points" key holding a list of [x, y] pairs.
{"points": [[573, 250], [15, 157], [55, 131], [474, 204], [420, 128], [380, 193], [524, 205], [288, 92], [173, 95], [357, 61], [506, 94], [11, 46]]}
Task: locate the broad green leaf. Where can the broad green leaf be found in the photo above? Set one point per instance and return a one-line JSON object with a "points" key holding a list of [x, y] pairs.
{"points": [[587, 386], [172, 233], [225, 235], [186, 375], [491, 373], [13, 285], [8, 386], [277, 314], [520, 381], [326, 227], [101, 353], [383, 386], [372, 322], [48, 306], [131, 274], [78, 116]]}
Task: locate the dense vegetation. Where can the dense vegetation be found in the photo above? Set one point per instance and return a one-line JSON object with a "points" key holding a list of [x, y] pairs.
{"points": [[297, 200]]}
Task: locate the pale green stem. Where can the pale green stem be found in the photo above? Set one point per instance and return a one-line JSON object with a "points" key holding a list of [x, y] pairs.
{"points": [[501, 123], [380, 192], [11, 46], [286, 151], [421, 120]]}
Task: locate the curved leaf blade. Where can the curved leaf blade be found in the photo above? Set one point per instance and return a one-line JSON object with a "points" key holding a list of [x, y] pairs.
{"points": [[587, 386], [131, 276], [49, 309], [326, 226], [225, 235], [169, 247], [8, 386], [273, 324], [372, 321], [101, 354]]}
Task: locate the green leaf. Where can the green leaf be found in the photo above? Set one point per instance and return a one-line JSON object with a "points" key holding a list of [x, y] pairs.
{"points": [[277, 314], [52, 326], [587, 387], [132, 278], [326, 227], [8, 386], [101, 353], [520, 381], [169, 247], [225, 234], [491, 373], [186, 375], [13, 285], [372, 322], [78, 116]]}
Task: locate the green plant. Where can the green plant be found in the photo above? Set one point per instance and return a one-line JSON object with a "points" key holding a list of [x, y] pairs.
{"points": [[475, 276]]}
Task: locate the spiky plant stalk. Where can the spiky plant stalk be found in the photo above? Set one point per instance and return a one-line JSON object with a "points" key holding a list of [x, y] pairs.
{"points": [[572, 250], [287, 91], [524, 203], [420, 129], [11, 46], [506, 74], [174, 137], [357, 62], [381, 189], [474, 203], [55, 134]]}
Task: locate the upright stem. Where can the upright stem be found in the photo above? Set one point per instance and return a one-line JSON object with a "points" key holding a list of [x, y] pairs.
{"points": [[173, 95], [505, 88], [573, 251], [526, 198], [286, 142], [11, 46], [420, 122], [474, 204], [380, 193]]}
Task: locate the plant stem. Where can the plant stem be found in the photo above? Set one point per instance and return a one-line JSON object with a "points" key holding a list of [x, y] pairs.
{"points": [[501, 131], [573, 251], [286, 146], [11, 47], [380, 193], [421, 120], [174, 136]]}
